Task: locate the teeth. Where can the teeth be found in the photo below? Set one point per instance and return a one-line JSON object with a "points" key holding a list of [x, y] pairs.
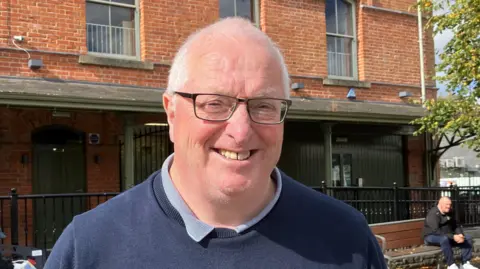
{"points": [[235, 155]]}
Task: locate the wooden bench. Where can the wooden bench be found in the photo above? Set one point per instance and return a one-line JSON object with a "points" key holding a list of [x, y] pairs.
{"points": [[403, 240]]}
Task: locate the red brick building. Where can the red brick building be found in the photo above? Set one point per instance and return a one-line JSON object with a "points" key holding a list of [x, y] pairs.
{"points": [[77, 122]]}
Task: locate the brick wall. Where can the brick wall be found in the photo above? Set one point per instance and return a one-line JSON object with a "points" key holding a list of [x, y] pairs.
{"points": [[401, 5], [378, 92], [16, 126], [416, 148], [167, 23], [299, 29], [53, 25], [66, 67], [387, 42]]}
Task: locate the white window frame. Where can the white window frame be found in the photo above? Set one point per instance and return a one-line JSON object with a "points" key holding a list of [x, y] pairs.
{"points": [[353, 56], [136, 28], [255, 13]]}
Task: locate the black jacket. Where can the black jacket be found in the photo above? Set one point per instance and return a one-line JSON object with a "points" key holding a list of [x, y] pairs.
{"points": [[438, 224]]}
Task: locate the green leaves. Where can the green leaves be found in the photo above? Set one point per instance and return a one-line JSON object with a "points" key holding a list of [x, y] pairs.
{"points": [[459, 113]]}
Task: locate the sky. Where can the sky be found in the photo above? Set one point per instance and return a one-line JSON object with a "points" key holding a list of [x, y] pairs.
{"points": [[440, 41]]}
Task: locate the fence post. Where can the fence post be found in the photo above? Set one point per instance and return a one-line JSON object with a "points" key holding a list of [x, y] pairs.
{"points": [[324, 187], [456, 192], [395, 201], [14, 216]]}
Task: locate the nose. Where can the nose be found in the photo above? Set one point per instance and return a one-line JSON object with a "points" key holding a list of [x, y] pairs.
{"points": [[239, 125]]}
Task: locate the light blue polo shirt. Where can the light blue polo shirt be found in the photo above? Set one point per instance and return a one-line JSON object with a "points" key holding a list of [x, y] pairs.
{"points": [[197, 229]]}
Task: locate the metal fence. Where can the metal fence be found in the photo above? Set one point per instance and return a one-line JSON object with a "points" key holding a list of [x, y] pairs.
{"points": [[151, 145], [38, 220], [384, 204]]}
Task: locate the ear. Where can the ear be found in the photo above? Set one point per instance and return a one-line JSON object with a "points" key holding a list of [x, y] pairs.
{"points": [[169, 106]]}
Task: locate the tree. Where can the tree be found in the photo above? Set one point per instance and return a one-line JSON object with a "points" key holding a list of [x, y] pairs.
{"points": [[456, 118]]}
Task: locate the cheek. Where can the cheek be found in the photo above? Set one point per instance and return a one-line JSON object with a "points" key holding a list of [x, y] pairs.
{"points": [[272, 136], [193, 133]]}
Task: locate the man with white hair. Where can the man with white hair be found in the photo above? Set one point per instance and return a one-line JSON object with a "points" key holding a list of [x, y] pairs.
{"points": [[441, 229], [219, 201]]}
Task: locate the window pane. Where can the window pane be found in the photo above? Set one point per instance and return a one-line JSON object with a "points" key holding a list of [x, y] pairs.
{"points": [[227, 8], [332, 55], [123, 16], [97, 13], [130, 2], [345, 23], [244, 9], [340, 56], [98, 31], [123, 30], [331, 44], [330, 16], [347, 170]]}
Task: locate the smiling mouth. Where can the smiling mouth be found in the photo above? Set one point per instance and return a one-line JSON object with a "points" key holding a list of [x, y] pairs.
{"points": [[238, 156]]}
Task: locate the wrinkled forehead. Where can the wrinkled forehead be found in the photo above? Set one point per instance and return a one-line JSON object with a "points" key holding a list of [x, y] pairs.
{"points": [[235, 68]]}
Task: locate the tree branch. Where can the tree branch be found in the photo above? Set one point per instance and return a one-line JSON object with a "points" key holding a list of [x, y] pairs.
{"points": [[451, 144]]}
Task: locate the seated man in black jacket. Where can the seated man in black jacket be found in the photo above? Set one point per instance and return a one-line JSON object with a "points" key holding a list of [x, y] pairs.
{"points": [[441, 229]]}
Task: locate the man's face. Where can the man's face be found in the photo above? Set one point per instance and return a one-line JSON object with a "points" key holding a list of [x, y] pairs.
{"points": [[201, 147], [445, 205]]}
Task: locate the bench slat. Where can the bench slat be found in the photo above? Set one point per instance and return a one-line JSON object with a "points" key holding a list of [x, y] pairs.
{"points": [[397, 227], [403, 243], [400, 234]]}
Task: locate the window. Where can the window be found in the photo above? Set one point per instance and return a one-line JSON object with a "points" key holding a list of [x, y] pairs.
{"points": [[241, 8], [341, 45], [112, 27], [342, 170]]}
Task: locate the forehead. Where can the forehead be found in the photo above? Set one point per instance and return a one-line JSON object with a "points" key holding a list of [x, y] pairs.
{"points": [[247, 70], [446, 202]]}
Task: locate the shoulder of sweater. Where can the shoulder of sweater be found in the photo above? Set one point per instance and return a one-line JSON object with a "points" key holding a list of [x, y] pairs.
{"points": [[317, 203], [118, 209]]}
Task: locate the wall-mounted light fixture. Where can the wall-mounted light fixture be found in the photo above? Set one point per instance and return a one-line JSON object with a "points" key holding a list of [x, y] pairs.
{"points": [[297, 86], [351, 94], [404, 94], [96, 158], [24, 159], [33, 64]]}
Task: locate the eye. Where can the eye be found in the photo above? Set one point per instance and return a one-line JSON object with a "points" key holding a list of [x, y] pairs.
{"points": [[214, 103], [265, 106]]}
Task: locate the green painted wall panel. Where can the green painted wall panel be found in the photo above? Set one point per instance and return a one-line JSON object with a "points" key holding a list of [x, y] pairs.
{"points": [[302, 153], [377, 158]]}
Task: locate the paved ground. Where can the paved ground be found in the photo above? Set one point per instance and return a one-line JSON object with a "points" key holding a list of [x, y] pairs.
{"points": [[475, 262]]}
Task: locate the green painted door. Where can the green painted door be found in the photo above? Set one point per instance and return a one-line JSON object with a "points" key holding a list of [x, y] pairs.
{"points": [[57, 169]]}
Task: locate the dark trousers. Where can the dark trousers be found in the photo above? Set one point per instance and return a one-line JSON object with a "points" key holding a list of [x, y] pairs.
{"points": [[447, 244]]}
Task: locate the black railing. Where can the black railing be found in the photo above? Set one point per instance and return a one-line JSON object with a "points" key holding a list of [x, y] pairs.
{"points": [[384, 204], [38, 220], [151, 146]]}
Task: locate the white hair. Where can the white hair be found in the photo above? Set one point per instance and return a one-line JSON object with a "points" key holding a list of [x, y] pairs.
{"points": [[178, 75]]}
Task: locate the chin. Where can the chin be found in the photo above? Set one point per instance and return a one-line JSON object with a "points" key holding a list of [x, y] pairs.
{"points": [[232, 185]]}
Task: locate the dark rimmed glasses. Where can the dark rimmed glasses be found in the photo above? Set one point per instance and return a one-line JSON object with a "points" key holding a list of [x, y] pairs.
{"points": [[217, 107]]}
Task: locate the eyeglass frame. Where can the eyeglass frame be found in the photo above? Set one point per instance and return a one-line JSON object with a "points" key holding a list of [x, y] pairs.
{"points": [[193, 97]]}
